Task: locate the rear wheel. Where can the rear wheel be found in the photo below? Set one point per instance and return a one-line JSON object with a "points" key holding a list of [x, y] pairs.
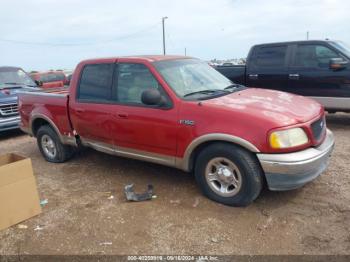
{"points": [[51, 147], [229, 174]]}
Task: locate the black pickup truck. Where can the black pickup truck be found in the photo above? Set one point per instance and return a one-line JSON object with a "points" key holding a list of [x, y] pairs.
{"points": [[318, 69]]}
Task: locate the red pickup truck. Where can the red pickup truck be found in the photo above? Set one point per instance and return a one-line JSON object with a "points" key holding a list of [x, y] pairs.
{"points": [[180, 112], [51, 79]]}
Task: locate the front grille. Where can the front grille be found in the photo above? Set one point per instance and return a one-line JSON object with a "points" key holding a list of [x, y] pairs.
{"points": [[8, 109], [318, 128]]}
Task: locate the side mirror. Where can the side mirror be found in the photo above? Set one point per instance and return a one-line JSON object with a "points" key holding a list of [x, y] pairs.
{"points": [[39, 83], [152, 97], [337, 63]]}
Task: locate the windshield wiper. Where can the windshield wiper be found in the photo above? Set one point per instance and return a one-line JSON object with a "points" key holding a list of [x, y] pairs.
{"points": [[4, 86], [13, 83], [205, 92], [18, 84], [234, 86]]}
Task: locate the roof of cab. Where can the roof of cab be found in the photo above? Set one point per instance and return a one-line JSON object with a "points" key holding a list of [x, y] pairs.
{"points": [[149, 58], [9, 68], [155, 58], [296, 42], [51, 72]]}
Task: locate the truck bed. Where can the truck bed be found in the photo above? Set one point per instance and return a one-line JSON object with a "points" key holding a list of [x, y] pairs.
{"points": [[48, 91], [50, 103]]}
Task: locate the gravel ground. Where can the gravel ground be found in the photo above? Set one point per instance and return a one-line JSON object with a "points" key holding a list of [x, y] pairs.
{"points": [[80, 219]]}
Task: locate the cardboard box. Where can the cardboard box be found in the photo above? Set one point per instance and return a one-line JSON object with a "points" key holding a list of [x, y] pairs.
{"points": [[19, 198]]}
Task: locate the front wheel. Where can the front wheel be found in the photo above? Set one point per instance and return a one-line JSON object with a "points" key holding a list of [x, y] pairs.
{"points": [[229, 174], [51, 147]]}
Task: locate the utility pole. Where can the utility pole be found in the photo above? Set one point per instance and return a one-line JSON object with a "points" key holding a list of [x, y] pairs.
{"points": [[307, 35], [185, 51], [163, 19]]}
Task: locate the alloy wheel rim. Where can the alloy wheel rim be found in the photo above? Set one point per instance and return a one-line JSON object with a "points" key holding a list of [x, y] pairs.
{"points": [[48, 146], [223, 177]]}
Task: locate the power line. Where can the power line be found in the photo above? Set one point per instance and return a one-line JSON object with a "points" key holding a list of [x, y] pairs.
{"points": [[127, 36]]}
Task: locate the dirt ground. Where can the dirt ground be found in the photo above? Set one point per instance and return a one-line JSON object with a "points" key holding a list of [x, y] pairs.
{"points": [[80, 219]]}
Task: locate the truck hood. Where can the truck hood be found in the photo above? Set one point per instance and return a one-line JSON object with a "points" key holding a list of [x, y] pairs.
{"points": [[279, 107], [9, 95]]}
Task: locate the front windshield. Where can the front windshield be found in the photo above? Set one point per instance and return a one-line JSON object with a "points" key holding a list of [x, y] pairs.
{"points": [[192, 76], [342, 47], [14, 77]]}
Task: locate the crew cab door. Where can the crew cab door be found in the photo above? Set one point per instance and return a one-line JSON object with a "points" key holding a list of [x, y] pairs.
{"points": [[138, 130], [268, 67], [90, 111], [312, 73]]}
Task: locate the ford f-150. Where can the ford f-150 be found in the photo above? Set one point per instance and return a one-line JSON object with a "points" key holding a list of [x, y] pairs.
{"points": [[180, 112]]}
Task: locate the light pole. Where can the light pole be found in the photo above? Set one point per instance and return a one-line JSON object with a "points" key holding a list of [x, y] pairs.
{"points": [[163, 19]]}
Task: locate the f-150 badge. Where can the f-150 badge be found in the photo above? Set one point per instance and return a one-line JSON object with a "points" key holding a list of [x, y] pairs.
{"points": [[187, 122]]}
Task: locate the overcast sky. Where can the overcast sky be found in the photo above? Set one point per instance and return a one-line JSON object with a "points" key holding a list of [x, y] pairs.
{"points": [[51, 34]]}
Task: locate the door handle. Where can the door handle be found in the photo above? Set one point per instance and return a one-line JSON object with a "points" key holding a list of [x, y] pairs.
{"points": [[253, 76], [122, 115], [294, 76]]}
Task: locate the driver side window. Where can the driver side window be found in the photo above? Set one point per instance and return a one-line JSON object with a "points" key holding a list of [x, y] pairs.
{"points": [[314, 56], [132, 80]]}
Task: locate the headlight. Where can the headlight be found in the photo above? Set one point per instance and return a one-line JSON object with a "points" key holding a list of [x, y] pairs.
{"points": [[288, 138]]}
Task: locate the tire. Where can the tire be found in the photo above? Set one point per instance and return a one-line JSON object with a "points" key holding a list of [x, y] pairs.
{"points": [[229, 174], [51, 147]]}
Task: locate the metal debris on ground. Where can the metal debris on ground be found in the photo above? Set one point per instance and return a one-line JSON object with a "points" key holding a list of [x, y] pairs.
{"points": [[196, 202], [44, 202], [20, 226], [38, 228], [110, 197], [177, 201], [106, 243], [215, 240], [132, 196]]}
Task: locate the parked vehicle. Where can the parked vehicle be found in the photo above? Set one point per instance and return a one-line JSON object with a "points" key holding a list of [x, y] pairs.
{"points": [[50, 79], [68, 74], [12, 80], [318, 69], [69, 78], [180, 112], [228, 64]]}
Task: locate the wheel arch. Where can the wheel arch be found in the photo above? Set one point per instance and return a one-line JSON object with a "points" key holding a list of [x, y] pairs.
{"points": [[193, 149], [39, 120]]}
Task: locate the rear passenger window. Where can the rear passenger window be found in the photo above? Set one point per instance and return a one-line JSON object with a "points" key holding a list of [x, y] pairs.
{"points": [[59, 77], [95, 83], [271, 56], [51, 77]]}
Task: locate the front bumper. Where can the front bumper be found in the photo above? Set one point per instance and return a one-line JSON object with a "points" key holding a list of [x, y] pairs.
{"points": [[293, 170], [8, 123]]}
